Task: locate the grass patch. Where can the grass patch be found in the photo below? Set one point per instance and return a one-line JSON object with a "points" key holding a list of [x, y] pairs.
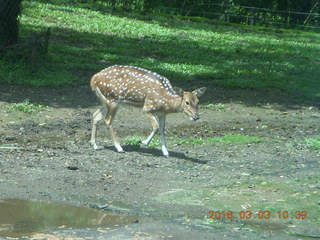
{"points": [[217, 107], [313, 143], [135, 141], [295, 197], [26, 106], [87, 39], [189, 141], [233, 139]]}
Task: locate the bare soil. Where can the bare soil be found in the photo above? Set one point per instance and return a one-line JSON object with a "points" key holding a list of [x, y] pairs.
{"points": [[46, 156]]}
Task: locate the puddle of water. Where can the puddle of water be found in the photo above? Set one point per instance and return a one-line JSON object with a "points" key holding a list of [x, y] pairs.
{"points": [[21, 218]]}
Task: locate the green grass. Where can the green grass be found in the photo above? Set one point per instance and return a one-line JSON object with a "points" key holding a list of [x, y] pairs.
{"points": [[254, 195], [233, 139], [87, 38], [135, 141], [189, 141], [26, 106], [217, 107], [313, 143]]}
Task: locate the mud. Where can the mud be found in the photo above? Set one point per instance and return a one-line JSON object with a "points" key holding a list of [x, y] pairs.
{"points": [[46, 157], [21, 218]]}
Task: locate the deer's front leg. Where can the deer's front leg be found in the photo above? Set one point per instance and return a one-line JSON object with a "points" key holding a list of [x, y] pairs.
{"points": [[157, 122], [155, 127], [162, 124]]}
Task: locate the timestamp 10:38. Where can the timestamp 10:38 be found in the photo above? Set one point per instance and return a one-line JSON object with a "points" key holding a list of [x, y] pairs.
{"points": [[257, 215]]}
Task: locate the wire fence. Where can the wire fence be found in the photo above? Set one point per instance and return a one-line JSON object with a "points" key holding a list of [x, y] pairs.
{"points": [[253, 15], [10, 9]]}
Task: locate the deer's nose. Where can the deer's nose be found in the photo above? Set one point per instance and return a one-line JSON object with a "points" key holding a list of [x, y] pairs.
{"points": [[195, 117]]}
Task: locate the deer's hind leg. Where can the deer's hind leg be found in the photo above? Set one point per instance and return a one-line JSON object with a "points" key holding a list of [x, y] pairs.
{"points": [[97, 116], [112, 109]]}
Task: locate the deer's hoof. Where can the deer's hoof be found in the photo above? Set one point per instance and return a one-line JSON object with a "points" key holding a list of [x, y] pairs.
{"points": [[95, 147], [119, 149], [144, 142]]}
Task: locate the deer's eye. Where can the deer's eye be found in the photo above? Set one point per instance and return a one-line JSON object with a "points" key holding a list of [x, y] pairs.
{"points": [[187, 103]]}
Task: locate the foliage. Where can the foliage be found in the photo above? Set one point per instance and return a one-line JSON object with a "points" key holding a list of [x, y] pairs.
{"points": [[313, 143], [26, 106], [205, 52], [288, 11], [135, 141]]}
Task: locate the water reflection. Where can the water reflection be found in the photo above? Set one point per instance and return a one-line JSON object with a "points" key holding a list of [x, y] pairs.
{"points": [[23, 218]]}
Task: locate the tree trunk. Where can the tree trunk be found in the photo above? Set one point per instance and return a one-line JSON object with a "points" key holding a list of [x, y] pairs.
{"points": [[9, 11]]}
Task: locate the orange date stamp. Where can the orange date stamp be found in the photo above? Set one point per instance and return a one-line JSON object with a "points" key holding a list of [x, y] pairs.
{"points": [[283, 214]]}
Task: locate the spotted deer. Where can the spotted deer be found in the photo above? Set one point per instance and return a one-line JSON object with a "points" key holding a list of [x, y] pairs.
{"points": [[127, 85]]}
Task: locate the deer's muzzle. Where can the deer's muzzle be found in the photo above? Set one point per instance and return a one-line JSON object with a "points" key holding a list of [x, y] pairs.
{"points": [[195, 118]]}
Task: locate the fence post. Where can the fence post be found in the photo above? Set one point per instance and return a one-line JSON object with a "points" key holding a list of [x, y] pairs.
{"points": [[227, 17], [33, 58], [251, 22], [46, 41]]}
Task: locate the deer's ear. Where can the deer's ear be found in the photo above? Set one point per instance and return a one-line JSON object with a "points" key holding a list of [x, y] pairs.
{"points": [[199, 92], [178, 91]]}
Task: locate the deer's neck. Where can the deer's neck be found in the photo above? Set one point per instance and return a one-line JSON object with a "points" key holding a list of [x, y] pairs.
{"points": [[175, 105]]}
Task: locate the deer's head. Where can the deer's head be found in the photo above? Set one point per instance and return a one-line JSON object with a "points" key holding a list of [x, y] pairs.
{"points": [[190, 101]]}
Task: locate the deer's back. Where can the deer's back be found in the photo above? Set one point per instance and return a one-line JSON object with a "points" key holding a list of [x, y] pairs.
{"points": [[131, 84]]}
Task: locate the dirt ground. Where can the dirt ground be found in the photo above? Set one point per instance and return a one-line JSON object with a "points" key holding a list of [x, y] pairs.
{"points": [[46, 156]]}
